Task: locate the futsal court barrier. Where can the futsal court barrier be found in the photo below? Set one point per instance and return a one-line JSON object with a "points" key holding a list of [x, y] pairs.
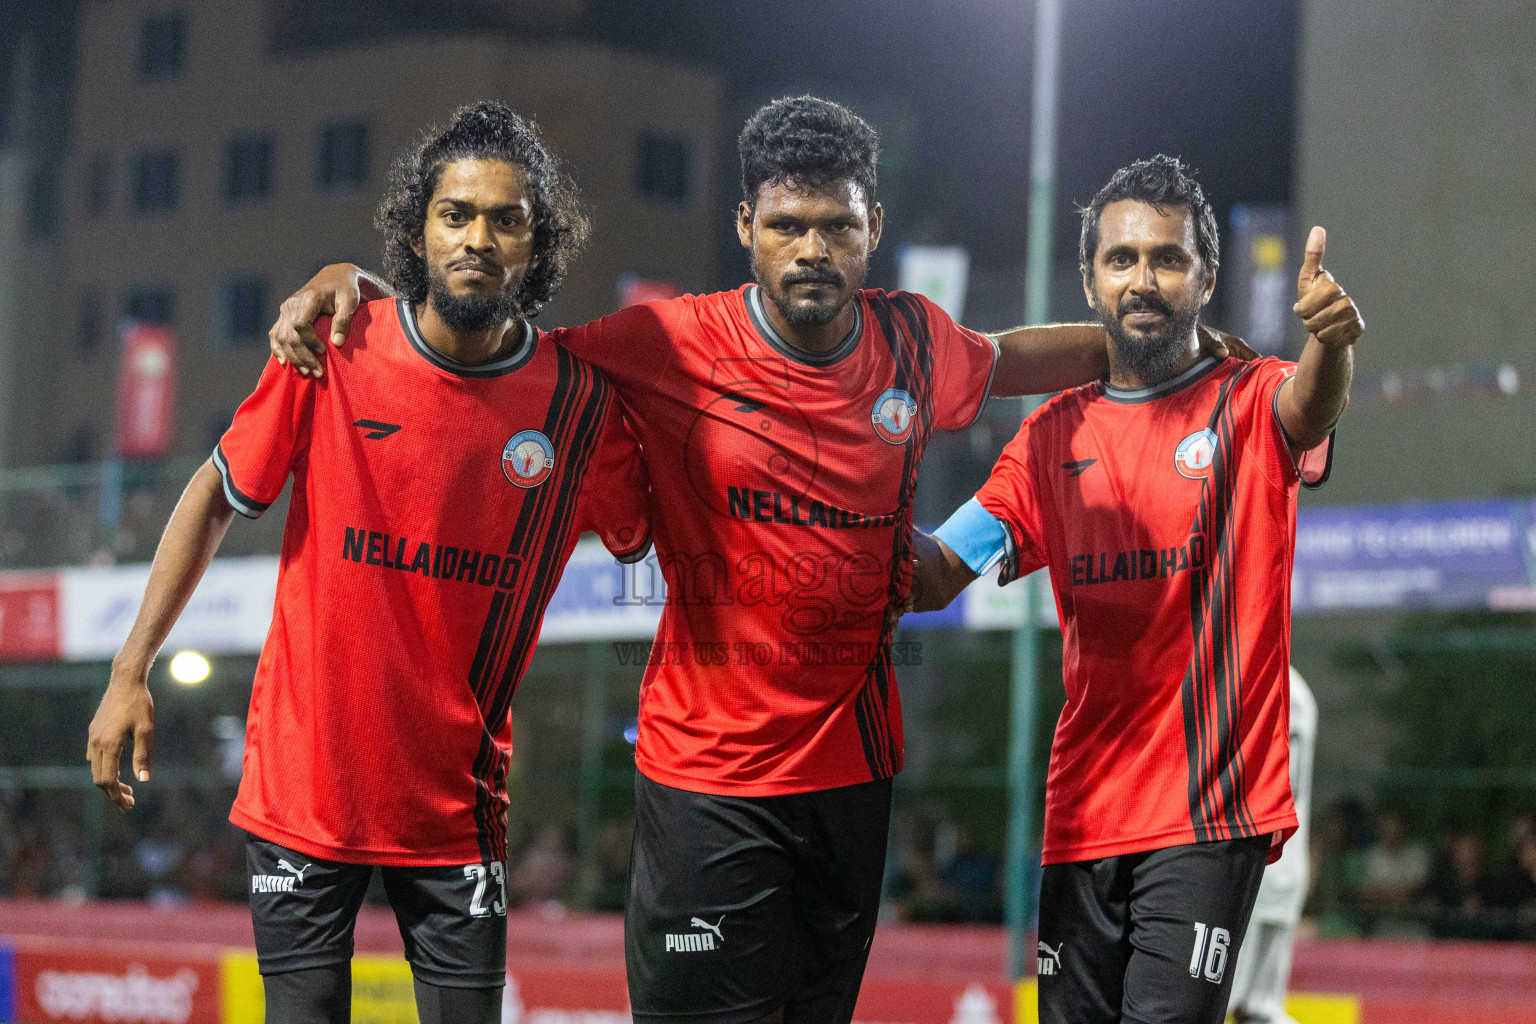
{"points": [[130, 963]]}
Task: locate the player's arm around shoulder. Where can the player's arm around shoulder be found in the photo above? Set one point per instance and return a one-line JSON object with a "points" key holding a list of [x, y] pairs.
{"points": [[336, 291], [1058, 357], [1311, 402], [127, 711]]}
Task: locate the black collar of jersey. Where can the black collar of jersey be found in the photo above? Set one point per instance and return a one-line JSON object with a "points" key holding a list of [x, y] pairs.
{"points": [[754, 301], [1202, 366], [496, 368]]}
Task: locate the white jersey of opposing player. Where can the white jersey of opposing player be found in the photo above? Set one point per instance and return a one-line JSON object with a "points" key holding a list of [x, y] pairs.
{"points": [[1284, 889]]}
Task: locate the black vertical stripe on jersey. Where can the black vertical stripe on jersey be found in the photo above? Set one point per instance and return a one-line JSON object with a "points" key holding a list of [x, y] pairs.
{"points": [[489, 767], [541, 578], [904, 324], [539, 516], [1212, 688], [1230, 696], [1205, 812], [547, 532]]}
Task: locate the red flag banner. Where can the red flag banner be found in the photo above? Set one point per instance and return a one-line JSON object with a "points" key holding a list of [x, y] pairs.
{"points": [[146, 391]]}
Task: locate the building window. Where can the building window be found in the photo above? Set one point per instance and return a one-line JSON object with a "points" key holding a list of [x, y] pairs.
{"points": [[98, 184], [665, 168], [341, 160], [240, 310], [43, 210], [91, 325], [156, 182], [248, 168], [162, 47], [150, 304]]}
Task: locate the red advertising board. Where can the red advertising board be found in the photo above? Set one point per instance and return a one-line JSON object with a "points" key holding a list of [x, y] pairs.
{"points": [[29, 616], [86, 985], [146, 391]]}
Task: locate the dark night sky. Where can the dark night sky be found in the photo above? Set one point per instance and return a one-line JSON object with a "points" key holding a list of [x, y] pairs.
{"points": [[948, 83]]}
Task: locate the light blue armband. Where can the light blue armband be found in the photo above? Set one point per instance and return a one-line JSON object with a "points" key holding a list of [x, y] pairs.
{"points": [[976, 536]]}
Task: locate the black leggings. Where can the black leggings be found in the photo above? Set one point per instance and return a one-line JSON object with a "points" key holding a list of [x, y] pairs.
{"points": [[323, 995]]}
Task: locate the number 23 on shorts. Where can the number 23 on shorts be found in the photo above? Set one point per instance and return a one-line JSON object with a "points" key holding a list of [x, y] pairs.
{"points": [[477, 872]]}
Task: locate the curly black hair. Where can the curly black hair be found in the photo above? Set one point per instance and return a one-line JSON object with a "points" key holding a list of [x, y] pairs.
{"points": [[485, 130], [1160, 182], [812, 142]]}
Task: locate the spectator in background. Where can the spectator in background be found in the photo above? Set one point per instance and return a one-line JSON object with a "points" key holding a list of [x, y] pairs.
{"points": [[1513, 892], [1458, 893], [1396, 868], [971, 874], [1337, 863]]}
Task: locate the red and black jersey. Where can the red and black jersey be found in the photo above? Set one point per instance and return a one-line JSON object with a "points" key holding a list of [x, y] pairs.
{"points": [[1167, 518], [434, 505], [783, 486]]}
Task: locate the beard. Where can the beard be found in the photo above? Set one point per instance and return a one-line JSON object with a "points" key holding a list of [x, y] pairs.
{"points": [[465, 313], [1153, 355], [817, 314]]}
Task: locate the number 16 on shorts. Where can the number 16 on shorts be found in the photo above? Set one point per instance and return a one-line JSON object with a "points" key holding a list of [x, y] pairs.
{"points": [[1210, 956], [476, 873]]}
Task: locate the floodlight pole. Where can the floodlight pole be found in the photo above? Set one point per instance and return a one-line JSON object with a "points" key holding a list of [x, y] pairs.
{"points": [[1019, 911]]}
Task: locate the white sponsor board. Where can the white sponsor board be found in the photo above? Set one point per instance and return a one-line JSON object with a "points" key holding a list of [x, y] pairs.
{"points": [[228, 614], [938, 272], [133, 996]]}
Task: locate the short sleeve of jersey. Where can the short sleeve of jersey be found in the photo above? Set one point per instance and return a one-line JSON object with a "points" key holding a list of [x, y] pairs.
{"points": [[269, 433], [1309, 468], [634, 343], [963, 362], [615, 495], [1010, 496]]}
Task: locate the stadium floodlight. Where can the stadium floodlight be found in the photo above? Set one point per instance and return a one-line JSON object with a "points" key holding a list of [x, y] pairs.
{"points": [[189, 668]]}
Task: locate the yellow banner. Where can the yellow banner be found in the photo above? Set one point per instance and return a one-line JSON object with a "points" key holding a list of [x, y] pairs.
{"points": [[382, 992], [1307, 1008]]}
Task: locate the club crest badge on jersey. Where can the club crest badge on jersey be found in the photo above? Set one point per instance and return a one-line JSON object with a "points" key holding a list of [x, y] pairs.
{"points": [[528, 458], [1194, 455], [893, 415]]}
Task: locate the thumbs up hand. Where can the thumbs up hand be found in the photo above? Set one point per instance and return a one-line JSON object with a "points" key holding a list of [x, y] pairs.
{"points": [[1330, 314]]}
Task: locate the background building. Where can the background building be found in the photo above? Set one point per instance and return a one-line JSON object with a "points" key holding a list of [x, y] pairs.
{"points": [[1416, 148], [206, 173]]}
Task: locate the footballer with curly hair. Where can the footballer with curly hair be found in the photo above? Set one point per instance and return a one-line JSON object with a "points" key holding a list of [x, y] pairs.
{"points": [[442, 472], [782, 424]]}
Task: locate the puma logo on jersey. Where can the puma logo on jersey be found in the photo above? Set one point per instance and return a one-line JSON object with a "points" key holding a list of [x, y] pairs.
{"points": [[699, 922], [376, 430], [1048, 960], [298, 873], [280, 883], [694, 942]]}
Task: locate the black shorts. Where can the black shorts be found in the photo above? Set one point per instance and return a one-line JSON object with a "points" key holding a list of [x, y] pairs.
{"points": [[741, 905], [453, 919], [1146, 938]]}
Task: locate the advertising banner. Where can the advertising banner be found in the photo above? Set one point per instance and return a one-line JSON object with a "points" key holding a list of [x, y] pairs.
{"points": [[1443, 555], [228, 613], [146, 391], [29, 616], [58, 983]]}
